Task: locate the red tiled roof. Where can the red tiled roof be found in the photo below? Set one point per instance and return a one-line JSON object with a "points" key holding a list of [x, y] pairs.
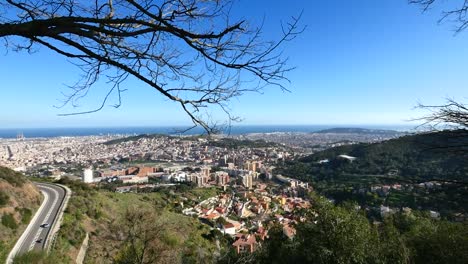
{"points": [[245, 240]]}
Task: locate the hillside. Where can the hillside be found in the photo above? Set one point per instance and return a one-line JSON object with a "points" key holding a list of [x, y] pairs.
{"points": [[215, 142], [355, 130], [422, 156], [134, 138], [19, 198], [122, 227], [349, 172]]}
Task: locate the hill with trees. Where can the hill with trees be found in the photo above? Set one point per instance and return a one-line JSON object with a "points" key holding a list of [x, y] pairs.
{"points": [[342, 234], [411, 162], [133, 138], [132, 227], [415, 157], [356, 130], [19, 199]]}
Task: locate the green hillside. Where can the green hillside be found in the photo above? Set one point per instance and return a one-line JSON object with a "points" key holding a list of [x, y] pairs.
{"points": [[19, 198], [422, 157], [348, 172], [355, 130], [134, 138], [125, 226]]}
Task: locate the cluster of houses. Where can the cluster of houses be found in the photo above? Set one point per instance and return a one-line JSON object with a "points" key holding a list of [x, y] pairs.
{"points": [[246, 214]]}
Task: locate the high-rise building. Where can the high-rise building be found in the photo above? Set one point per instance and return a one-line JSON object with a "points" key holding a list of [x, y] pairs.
{"points": [[252, 165], [222, 178], [247, 180], [200, 180]]}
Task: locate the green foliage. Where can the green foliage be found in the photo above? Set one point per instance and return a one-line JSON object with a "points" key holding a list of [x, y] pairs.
{"points": [[203, 193], [406, 160], [4, 198], [79, 206], [355, 130], [411, 157], [438, 241], [342, 234], [12, 177], [134, 227], [9, 221], [150, 237], [4, 250], [134, 138], [79, 188], [37, 257], [26, 215]]}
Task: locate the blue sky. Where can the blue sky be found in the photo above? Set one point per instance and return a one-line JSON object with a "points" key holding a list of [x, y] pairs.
{"points": [[358, 62]]}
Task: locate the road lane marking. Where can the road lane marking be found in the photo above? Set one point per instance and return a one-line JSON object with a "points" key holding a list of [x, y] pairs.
{"points": [[46, 200], [39, 231], [27, 233]]}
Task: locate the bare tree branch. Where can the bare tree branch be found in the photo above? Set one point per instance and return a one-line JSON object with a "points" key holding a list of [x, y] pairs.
{"points": [[451, 115], [454, 11], [186, 50]]}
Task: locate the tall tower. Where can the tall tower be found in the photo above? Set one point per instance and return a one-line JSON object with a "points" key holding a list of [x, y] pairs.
{"points": [[20, 136]]}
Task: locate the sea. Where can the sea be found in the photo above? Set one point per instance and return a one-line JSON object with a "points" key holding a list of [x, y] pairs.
{"points": [[173, 130]]}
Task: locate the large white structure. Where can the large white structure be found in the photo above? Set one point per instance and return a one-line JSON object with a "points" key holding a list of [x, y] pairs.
{"points": [[88, 176]]}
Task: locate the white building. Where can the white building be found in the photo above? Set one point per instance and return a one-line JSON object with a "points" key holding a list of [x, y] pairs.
{"points": [[88, 176]]}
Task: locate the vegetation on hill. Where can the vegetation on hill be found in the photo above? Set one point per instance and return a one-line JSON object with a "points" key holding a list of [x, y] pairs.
{"points": [[342, 234], [37, 257], [407, 160], [18, 200], [12, 177], [355, 130], [131, 228], [133, 138], [222, 142], [422, 157]]}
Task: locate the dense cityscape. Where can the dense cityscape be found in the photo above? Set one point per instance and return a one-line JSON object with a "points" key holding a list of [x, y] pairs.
{"points": [[250, 196]]}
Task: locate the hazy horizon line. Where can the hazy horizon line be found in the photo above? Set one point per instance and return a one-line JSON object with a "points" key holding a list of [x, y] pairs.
{"points": [[241, 125]]}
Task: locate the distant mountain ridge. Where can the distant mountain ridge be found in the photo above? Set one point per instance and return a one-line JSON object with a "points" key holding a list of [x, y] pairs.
{"points": [[356, 130]]}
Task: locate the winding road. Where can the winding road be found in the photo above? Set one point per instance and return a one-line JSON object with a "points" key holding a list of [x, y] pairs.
{"points": [[37, 236]]}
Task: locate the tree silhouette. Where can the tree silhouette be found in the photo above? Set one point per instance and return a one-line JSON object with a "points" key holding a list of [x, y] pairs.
{"points": [[451, 114], [454, 11], [189, 51]]}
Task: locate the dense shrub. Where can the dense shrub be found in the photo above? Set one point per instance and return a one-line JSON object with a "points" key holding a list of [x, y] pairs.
{"points": [[12, 177], [36, 257], [9, 221], [4, 198], [26, 215]]}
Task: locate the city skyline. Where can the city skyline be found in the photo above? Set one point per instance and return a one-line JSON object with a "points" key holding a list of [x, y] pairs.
{"points": [[357, 64]]}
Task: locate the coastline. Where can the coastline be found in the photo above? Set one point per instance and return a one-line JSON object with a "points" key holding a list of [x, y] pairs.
{"points": [[10, 133]]}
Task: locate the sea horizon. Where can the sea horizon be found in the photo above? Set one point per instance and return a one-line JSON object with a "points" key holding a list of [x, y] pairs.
{"points": [[46, 132]]}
